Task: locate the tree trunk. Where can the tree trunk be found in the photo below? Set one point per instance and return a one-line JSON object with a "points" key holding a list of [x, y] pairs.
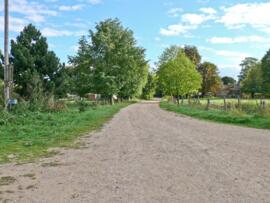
{"points": [[252, 95], [112, 101]]}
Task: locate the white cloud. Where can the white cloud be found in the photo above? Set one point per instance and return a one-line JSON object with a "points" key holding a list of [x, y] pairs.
{"points": [[16, 24], [241, 39], [93, 2], [71, 8], [229, 66], [175, 12], [51, 32], [175, 30], [209, 11], [231, 59], [255, 15], [33, 11], [194, 19], [189, 21], [232, 54]]}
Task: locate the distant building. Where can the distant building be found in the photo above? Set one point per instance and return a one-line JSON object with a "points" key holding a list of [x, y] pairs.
{"points": [[93, 97], [229, 91]]}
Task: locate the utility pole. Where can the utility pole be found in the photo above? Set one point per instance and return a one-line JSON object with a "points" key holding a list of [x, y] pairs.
{"points": [[7, 71]]}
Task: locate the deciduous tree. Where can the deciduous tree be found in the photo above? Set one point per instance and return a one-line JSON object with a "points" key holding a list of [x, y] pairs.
{"points": [[81, 71], [228, 80], [265, 68], [211, 81], [112, 61], [193, 54], [169, 54], [253, 81], [246, 64], [179, 76], [150, 87]]}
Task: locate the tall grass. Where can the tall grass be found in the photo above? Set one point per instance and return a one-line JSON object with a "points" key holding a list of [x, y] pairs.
{"points": [[28, 135], [232, 116]]}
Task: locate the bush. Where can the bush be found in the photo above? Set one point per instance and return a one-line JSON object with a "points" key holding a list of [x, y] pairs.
{"points": [[6, 118], [57, 106], [82, 105]]}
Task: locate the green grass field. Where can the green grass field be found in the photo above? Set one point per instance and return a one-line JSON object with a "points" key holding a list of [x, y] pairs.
{"points": [[229, 117], [30, 135]]}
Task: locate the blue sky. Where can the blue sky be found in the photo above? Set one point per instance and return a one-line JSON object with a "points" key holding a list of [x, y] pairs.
{"points": [[224, 31]]}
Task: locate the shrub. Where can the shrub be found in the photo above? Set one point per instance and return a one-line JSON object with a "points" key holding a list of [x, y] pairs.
{"points": [[57, 106], [82, 105], [6, 118]]}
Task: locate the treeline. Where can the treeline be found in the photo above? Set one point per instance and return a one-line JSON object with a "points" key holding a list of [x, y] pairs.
{"points": [[255, 76], [181, 73], [108, 62]]}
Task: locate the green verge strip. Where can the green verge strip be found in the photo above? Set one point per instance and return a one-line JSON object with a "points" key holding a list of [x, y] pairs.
{"points": [[229, 117], [29, 136]]}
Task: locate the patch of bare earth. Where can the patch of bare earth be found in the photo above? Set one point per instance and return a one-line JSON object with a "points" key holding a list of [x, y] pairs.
{"points": [[145, 154]]}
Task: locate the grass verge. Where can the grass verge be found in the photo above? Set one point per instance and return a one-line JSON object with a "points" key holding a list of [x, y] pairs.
{"points": [[30, 135], [229, 117]]}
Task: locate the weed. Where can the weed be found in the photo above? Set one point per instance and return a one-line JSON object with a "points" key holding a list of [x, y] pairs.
{"points": [[29, 135]]}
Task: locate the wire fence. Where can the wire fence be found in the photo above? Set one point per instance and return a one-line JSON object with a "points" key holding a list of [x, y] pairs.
{"points": [[261, 106]]}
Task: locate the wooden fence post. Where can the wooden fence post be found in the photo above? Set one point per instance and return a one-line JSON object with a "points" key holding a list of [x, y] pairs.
{"points": [[198, 99], [208, 104], [239, 102], [262, 105], [225, 104]]}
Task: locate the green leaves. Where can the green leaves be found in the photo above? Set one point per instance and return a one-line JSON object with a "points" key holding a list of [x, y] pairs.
{"points": [[111, 61], [179, 77], [211, 81], [31, 58], [266, 72], [253, 81]]}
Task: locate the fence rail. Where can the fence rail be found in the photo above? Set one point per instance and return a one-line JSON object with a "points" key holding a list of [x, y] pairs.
{"points": [[246, 105]]}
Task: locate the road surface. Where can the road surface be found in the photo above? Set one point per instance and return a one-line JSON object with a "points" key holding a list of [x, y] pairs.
{"points": [[145, 154]]}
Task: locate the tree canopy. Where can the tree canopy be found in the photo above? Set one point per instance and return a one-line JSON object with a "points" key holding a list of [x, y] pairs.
{"points": [[193, 54], [253, 81], [150, 87], [246, 64], [228, 80], [265, 68], [172, 52], [110, 62], [169, 54], [31, 58], [179, 76], [211, 81]]}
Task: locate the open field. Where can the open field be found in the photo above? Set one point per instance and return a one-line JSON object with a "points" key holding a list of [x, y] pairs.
{"points": [[250, 119], [30, 135]]}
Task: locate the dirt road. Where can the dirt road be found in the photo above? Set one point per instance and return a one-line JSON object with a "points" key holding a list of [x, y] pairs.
{"points": [[146, 154]]}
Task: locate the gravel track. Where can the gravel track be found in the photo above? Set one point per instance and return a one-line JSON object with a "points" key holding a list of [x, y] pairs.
{"points": [[145, 154]]}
